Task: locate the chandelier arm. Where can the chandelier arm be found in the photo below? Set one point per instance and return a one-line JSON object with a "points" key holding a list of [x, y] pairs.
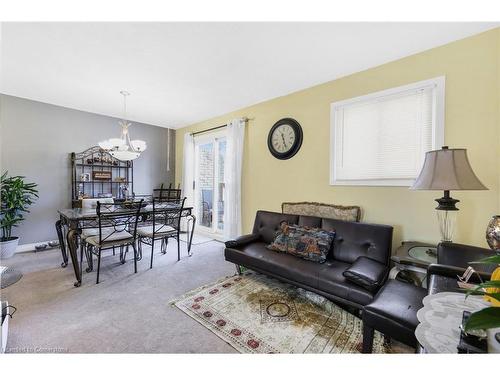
{"points": [[130, 143]]}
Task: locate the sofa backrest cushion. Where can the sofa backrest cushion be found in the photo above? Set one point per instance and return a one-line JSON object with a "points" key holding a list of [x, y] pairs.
{"points": [[267, 224], [354, 240], [310, 221]]}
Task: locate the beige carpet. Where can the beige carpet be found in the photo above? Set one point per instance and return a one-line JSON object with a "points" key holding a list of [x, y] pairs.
{"points": [[124, 313], [198, 239], [258, 314]]}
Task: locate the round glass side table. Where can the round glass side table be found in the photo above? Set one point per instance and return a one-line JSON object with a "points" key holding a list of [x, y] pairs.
{"points": [[411, 260], [423, 253]]}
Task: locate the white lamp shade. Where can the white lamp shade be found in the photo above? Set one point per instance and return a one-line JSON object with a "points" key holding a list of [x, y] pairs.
{"points": [[447, 169], [116, 142], [123, 147], [105, 145], [125, 155], [138, 145]]}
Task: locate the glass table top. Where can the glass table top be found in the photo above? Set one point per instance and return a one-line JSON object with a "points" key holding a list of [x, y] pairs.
{"points": [[423, 253]]}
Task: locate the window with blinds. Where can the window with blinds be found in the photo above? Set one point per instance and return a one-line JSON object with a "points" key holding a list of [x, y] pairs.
{"points": [[381, 138]]}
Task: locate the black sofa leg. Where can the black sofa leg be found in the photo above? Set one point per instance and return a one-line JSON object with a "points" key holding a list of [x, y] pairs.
{"points": [[368, 333], [238, 269]]}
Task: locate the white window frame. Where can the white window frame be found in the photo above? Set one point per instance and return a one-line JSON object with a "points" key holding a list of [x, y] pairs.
{"points": [[437, 83]]}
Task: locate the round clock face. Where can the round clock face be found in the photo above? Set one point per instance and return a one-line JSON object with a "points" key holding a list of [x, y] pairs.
{"points": [[285, 138]]}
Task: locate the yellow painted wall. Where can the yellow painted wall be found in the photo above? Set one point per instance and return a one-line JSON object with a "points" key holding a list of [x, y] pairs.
{"points": [[472, 70]]}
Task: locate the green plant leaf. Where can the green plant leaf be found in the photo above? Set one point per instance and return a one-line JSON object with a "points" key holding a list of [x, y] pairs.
{"points": [[486, 284], [481, 293], [495, 259], [483, 319], [16, 196]]}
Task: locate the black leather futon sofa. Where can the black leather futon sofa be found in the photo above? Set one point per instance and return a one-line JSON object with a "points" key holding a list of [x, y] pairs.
{"points": [[353, 240]]}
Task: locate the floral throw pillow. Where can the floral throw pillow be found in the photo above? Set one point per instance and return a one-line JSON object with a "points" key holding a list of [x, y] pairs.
{"points": [[312, 244]]}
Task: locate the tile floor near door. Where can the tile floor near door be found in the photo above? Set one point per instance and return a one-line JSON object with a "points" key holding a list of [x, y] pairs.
{"points": [[126, 312]]}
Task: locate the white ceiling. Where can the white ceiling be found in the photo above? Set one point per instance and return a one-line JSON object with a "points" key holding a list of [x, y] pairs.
{"points": [[181, 73]]}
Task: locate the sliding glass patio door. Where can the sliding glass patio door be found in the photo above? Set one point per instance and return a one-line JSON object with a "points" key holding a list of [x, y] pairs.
{"points": [[210, 154]]}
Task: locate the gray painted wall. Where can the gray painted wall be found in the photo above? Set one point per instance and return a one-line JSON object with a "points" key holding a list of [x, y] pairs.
{"points": [[36, 140]]}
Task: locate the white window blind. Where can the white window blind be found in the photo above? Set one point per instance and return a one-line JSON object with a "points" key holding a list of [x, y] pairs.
{"points": [[382, 138]]}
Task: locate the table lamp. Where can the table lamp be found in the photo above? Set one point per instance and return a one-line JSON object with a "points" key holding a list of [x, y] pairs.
{"points": [[447, 169]]}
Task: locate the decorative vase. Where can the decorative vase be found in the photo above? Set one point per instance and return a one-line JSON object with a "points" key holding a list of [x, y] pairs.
{"points": [[8, 248], [493, 233], [493, 340]]}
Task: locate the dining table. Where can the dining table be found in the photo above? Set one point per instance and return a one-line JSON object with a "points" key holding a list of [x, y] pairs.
{"points": [[73, 220]]}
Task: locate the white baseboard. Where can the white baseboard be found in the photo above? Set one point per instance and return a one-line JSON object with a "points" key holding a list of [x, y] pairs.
{"points": [[31, 247]]}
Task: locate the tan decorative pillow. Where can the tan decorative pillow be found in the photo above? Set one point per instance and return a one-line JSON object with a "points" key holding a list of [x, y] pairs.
{"points": [[328, 211]]}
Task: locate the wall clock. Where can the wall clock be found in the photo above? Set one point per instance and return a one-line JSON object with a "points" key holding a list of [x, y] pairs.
{"points": [[285, 138]]}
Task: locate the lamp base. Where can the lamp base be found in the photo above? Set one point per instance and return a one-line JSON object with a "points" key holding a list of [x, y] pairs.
{"points": [[447, 220], [447, 203], [447, 216]]}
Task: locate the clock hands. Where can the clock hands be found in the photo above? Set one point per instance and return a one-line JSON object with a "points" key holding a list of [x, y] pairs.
{"points": [[283, 138]]}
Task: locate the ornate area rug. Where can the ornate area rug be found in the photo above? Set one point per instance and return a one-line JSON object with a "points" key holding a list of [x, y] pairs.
{"points": [[259, 314]]}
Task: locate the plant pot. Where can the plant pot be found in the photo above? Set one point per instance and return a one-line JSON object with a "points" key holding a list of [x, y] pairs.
{"points": [[8, 248]]}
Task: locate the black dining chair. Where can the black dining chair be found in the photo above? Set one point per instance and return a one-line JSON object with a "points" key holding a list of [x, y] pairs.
{"points": [[117, 227], [165, 223], [167, 194]]}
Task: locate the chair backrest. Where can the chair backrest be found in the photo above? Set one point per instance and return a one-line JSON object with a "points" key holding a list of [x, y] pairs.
{"points": [[167, 213], [167, 195], [118, 218], [145, 197], [88, 203]]}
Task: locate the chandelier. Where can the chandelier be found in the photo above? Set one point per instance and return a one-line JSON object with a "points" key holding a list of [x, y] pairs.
{"points": [[123, 148]]}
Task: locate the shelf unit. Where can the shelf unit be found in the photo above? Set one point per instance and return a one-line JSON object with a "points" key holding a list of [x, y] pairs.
{"points": [[93, 160]]}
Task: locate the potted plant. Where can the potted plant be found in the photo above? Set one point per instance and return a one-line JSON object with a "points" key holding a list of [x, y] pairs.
{"points": [[489, 317], [15, 198]]}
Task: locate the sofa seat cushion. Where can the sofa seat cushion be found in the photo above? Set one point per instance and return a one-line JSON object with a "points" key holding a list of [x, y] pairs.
{"points": [[326, 277], [159, 230], [332, 280], [114, 239], [285, 265], [89, 232]]}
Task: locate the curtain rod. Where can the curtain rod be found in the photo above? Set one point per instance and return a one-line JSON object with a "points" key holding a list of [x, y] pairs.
{"points": [[215, 128]]}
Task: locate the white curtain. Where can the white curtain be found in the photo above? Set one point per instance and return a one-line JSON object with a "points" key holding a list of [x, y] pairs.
{"points": [[188, 170], [235, 137]]}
